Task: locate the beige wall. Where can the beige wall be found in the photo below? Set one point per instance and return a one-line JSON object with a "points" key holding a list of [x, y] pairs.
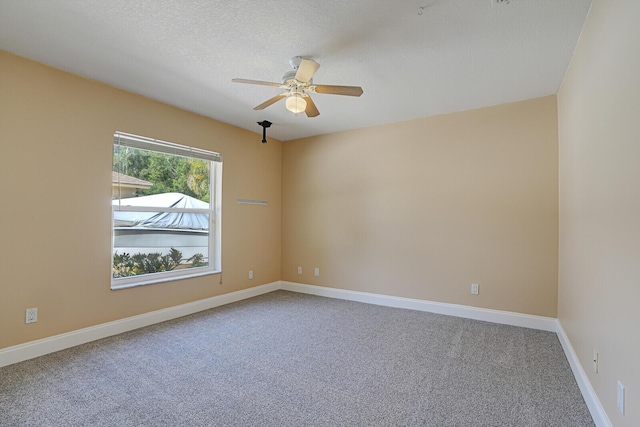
{"points": [[599, 140], [424, 208], [56, 131]]}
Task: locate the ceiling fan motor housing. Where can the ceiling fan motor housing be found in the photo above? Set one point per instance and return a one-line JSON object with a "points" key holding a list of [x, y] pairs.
{"points": [[289, 75], [290, 78]]}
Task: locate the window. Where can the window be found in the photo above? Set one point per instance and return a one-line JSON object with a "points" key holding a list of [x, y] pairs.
{"points": [[166, 205]]}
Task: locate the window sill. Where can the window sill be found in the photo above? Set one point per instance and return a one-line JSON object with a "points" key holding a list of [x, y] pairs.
{"points": [[115, 285]]}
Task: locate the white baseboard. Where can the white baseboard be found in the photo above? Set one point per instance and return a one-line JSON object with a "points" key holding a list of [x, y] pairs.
{"points": [[29, 350], [495, 316], [588, 393]]}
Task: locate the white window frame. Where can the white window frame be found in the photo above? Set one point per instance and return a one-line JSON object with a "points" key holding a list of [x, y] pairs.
{"points": [[214, 211]]}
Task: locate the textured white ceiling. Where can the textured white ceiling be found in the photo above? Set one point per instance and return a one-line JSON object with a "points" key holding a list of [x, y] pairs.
{"points": [[457, 55]]}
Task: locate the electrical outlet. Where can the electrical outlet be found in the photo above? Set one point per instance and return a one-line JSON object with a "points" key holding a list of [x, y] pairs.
{"points": [[250, 274], [595, 360], [620, 399], [299, 270], [316, 272], [475, 290], [31, 315]]}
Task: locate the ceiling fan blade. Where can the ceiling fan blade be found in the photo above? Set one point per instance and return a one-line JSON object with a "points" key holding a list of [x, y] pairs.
{"points": [[339, 90], [268, 102], [306, 70], [256, 82], [311, 110]]}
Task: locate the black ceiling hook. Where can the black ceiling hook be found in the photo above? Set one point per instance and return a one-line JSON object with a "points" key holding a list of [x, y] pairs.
{"points": [[265, 124]]}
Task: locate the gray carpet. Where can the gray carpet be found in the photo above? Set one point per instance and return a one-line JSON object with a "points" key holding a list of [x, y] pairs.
{"points": [[288, 359]]}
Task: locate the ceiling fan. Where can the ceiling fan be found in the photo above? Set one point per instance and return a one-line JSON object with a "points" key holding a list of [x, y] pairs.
{"points": [[298, 85]]}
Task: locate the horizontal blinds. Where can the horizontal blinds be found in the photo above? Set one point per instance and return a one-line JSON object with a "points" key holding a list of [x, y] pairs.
{"points": [[143, 143]]}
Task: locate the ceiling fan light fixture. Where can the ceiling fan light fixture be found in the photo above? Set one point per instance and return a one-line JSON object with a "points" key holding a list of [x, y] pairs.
{"points": [[296, 103]]}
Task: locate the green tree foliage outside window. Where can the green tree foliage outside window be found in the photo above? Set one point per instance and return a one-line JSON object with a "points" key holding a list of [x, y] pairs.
{"points": [[168, 173]]}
